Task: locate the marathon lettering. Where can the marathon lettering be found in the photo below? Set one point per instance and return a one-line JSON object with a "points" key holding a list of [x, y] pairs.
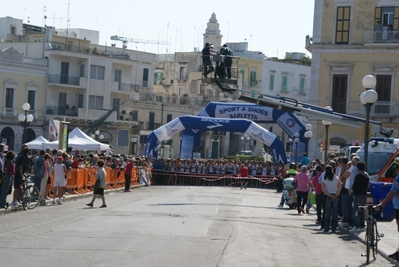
{"points": [[215, 120], [232, 109], [244, 116]]}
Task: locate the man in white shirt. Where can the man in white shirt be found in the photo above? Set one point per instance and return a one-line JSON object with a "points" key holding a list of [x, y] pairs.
{"points": [[347, 199]]}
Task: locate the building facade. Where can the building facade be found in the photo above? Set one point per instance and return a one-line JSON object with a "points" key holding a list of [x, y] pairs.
{"points": [[352, 39]]}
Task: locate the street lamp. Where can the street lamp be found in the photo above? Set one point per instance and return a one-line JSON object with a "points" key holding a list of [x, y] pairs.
{"points": [[25, 120], [97, 135], [296, 141], [308, 134], [245, 138], [368, 98], [326, 125]]}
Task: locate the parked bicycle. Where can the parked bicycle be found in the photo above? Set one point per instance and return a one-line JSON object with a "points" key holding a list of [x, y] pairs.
{"points": [[372, 236], [29, 194]]}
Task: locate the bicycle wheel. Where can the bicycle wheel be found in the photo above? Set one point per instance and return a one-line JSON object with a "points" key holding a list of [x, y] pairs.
{"points": [[375, 239], [32, 193], [24, 197], [368, 241]]}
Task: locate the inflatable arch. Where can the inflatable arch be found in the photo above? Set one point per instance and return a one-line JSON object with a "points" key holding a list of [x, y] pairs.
{"points": [[289, 122], [201, 124]]}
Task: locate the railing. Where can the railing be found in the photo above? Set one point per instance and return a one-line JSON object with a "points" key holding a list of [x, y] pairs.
{"points": [[54, 110], [180, 100], [127, 87], [62, 79], [381, 36], [380, 108]]}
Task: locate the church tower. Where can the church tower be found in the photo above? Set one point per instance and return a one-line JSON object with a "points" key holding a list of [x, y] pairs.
{"points": [[212, 33]]}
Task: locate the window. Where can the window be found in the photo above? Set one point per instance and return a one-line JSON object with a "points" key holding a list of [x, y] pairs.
{"points": [[151, 121], [31, 99], [168, 118], [158, 98], [302, 85], [182, 73], [181, 91], [158, 78], [135, 115], [342, 27], [82, 70], [118, 76], [242, 72], [95, 102], [253, 79], [284, 80], [9, 98], [271, 82], [13, 30], [97, 72], [339, 93], [80, 100], [253, 93], [383, 89], [145, 77], [387, 15]]}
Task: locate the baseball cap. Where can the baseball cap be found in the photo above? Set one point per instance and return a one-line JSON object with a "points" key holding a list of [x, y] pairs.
{"points": [[60, 158]]}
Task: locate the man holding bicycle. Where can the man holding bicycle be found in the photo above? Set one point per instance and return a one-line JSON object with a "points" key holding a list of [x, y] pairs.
{"points": [[393, 195]]}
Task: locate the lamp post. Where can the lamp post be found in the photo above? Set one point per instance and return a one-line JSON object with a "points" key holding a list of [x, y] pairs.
{"points": [[97, 136], [326, 143], [296, 141], [308, 134], [245, 138], [368, 98], [25, 120]]}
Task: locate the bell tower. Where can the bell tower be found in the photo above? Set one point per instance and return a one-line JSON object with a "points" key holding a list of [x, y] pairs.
{"points": [[212, 33]]}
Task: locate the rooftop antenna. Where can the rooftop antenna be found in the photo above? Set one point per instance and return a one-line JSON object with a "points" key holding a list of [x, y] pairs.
{"points": [[228, 32], [181, 37], [67, 19], [44, 15], [23, 15], [167, 36]]}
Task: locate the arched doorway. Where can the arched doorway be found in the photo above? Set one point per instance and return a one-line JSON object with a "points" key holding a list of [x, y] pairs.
{"points": [[7, 137], [30, 135]]}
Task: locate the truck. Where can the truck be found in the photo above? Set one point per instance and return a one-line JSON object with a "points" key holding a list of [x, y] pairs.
{"points": [[381, 154]]}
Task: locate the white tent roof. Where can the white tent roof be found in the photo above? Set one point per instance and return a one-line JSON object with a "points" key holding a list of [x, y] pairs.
{"points": [[37, 143], [79, 140]]}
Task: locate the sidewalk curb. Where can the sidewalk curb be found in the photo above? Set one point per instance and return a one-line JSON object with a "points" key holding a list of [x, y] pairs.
{"points": [[68, 198], [380, 251]]}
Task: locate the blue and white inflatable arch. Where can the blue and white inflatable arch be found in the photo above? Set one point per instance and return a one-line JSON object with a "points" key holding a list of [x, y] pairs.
{"points": [[289, 122], [201, 124]]}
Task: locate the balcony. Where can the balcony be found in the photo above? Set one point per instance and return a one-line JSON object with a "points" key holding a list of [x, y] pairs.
{"points": [[62, 79], [381, 109], [62, 111], [125, 87], [381, 37]]}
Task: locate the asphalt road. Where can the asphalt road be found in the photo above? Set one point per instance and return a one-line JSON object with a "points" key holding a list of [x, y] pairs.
{"points": [[174, 226]]}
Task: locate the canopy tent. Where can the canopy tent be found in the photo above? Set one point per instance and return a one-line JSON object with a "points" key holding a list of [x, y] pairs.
{"points": [[37, 143], [79, 140]]}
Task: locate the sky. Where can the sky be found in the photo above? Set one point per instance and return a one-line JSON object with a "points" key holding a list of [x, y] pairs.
{"points": [[272, 27]]}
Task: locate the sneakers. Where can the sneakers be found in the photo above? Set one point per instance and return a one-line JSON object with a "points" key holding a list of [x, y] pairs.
{"points": [[15, 204], [355, 229], [344, 224], [60, 203], [394, 255], [280, 206], [307, 210]]}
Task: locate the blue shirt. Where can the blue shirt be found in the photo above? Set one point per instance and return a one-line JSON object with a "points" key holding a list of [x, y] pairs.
{"points": [[395, 188]]}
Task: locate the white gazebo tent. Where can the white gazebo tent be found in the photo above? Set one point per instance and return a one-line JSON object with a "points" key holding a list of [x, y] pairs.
{"points": [[37, 143], [80, 141]]}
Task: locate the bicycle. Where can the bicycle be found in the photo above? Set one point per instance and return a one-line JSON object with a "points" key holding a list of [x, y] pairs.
{"points": [[29, 194], [372, 236]]}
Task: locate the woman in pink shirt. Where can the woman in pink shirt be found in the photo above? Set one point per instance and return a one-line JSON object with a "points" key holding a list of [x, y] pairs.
{"points": [[302, 182]]}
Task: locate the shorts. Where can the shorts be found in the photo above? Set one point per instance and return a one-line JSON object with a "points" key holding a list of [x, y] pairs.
{"points": [[396, 214], [16, 182], [99, 191], [59, 181]]}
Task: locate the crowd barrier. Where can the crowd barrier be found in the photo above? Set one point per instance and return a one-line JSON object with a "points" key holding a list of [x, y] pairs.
{"points": [[82, 180], [162, 177]]}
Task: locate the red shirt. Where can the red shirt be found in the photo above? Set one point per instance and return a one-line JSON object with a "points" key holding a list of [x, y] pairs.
{"points": [[75, 164], [243, 171], [128, 168], [316, 184]]}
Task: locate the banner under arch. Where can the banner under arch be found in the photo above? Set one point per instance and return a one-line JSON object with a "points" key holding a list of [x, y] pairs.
{"points": [[197, 123]]}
